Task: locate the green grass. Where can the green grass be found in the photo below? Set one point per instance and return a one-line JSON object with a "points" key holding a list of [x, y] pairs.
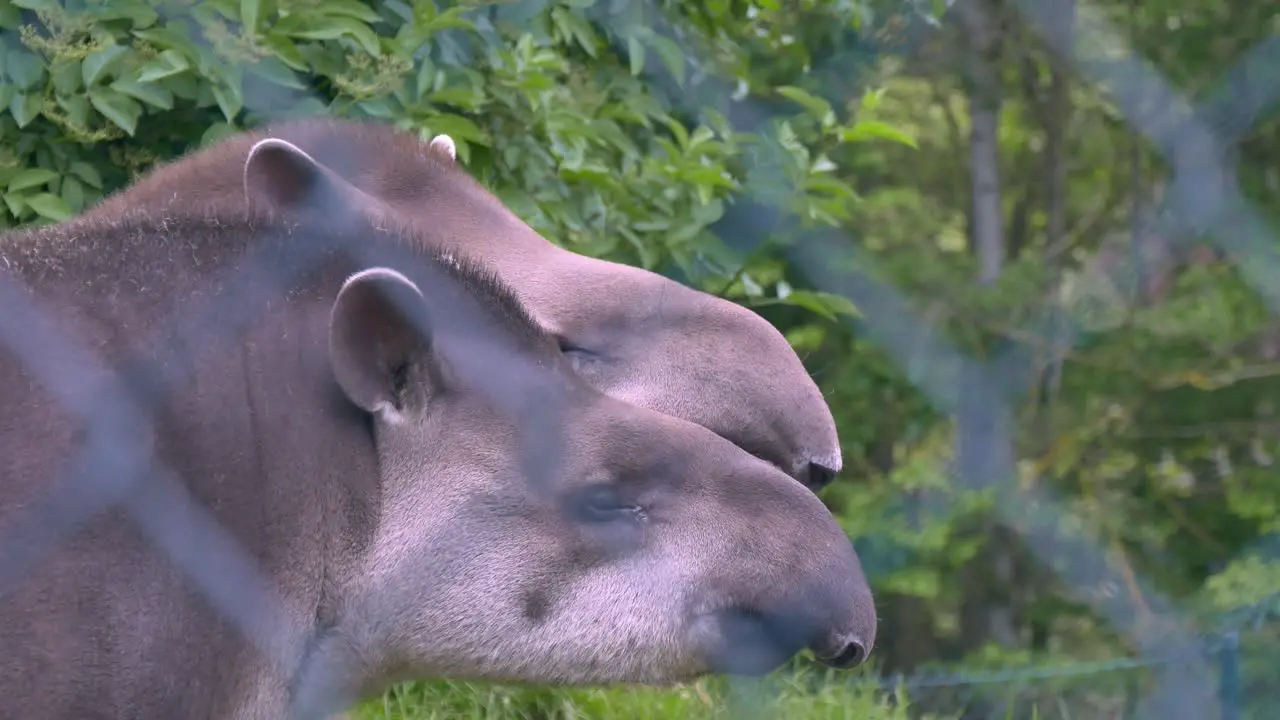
{"points": [[800, 695]]}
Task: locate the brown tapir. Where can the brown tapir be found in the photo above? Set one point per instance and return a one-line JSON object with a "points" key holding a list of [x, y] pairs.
{"points": [[632, 333], [360, 436]]}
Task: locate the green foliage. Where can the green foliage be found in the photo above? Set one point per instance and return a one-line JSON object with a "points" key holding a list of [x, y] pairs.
{"points": [[800, 695]]}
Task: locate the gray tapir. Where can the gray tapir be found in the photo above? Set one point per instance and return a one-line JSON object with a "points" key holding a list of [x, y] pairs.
{"points": [[359, 436], [634, 334]]}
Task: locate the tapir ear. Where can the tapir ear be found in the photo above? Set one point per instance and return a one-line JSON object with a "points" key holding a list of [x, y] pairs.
{"points": [[444, 145], [379, 339], [279, 175]]}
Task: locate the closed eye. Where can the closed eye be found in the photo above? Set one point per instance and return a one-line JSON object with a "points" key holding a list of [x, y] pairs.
{"points": [[602, 503], [568, 346], [579, 357]]}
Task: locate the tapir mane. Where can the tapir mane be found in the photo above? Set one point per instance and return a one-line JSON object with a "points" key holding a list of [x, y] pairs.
{"points": [[483, 283], [143, 250], [385, 159]]}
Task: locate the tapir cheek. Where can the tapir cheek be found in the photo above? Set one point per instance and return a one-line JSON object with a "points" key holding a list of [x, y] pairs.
{"points": [[535, 605]]}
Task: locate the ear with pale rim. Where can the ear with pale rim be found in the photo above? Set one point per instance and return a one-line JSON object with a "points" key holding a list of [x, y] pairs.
{"points": [[280, 176], [444, 145], [379, 338]]}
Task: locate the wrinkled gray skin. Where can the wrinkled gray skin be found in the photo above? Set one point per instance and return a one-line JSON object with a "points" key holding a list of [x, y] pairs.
{"points": [[631, 333], [374, 475]]}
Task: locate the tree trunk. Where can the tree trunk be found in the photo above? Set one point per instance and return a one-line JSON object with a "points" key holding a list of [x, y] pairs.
{"points": [[984, 450]]}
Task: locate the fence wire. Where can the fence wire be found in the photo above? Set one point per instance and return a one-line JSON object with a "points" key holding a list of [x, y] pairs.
{"points": [[1203, 201], [1178, 672]]}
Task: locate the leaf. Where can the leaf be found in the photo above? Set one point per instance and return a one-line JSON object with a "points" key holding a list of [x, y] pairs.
{"points": [[671, 54], [228, 9], [426, 79], [351, 8], [307, 107], [167, 64], [97, 63], [272, 70], [286, 51], [866, 130], [332, 27], [29, 178], [827, 305], [636, 52], [156, 96], [23, 68], [457, 127], [678, 129], [140, 15], [713, 176], [573, 26], [806, 338], [229, 98], [458, 97], [16, 203], [812, 299], [50, 206], [121, 110], [216, 132], [73, 194], [448, 20], [86, 172], [823, 165], [77, 108], [25, 107], [10, 16], [378, 107], [700, 135], [920, 582], [871, 99], [65, 76], [251, 14], [655, 225], [819, 107], [37, 4], [647, 257]]}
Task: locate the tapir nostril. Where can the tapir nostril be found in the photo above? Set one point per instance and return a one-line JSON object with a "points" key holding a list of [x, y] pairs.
{"points": [[820, 476], [850, 655]]}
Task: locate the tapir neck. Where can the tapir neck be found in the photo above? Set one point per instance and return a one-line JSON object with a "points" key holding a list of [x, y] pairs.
{"points": [[550, 280]]}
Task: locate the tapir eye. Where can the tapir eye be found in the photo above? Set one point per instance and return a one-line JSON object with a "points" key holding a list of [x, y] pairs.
{"points": [[567, 345], [579, 356], [601, 503]]}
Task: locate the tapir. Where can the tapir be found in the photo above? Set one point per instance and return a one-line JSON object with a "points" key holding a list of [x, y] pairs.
{"points": [[632, 333], [426, 484]]}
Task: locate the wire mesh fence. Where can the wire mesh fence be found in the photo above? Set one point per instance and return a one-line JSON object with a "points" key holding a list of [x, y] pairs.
{"points": [[1241, 660], [1176, 673]]}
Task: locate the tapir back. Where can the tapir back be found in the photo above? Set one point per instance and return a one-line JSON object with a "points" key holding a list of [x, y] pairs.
{"points": [[93, 612]]}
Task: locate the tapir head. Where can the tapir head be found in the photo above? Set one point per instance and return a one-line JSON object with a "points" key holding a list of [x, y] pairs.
{"points": [[631, 546], [532, 528], [631, 333]]}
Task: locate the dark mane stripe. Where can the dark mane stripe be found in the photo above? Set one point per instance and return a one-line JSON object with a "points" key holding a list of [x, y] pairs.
{"points": [[484, 283], [344, 145], [159, 252]]}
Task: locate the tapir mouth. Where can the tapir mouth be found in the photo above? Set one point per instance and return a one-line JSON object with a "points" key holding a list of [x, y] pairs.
{"points": [[747, 642]]}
